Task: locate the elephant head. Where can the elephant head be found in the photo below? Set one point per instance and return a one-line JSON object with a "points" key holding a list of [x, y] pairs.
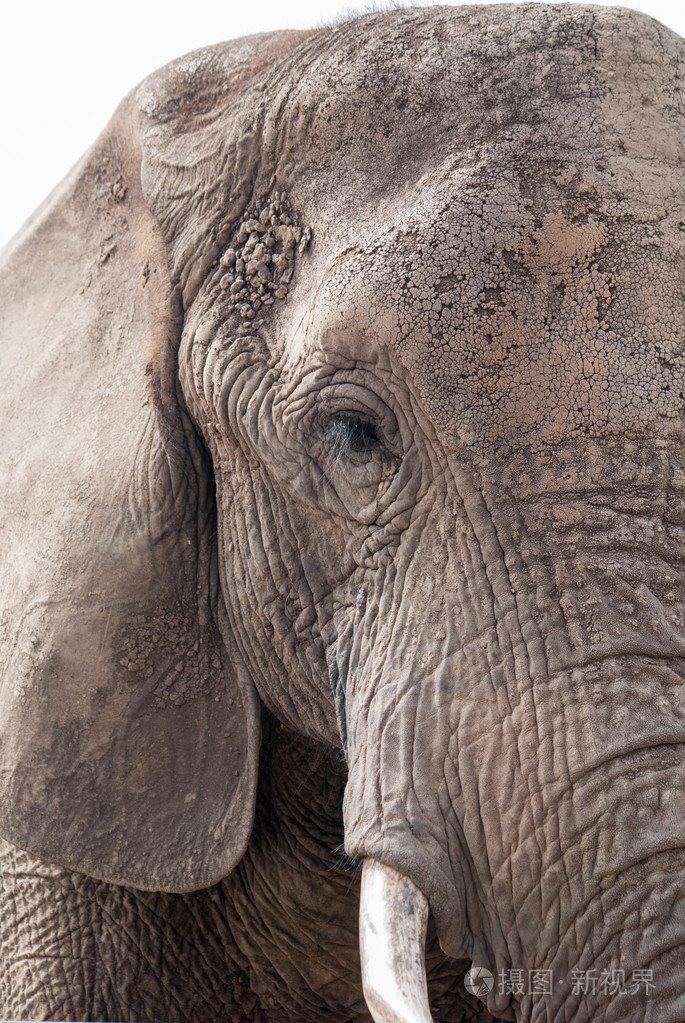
{"points": [[345, 375]]}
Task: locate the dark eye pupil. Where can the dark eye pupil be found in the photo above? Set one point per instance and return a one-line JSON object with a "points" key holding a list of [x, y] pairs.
{"points": [[354, 435], [361, 435]]}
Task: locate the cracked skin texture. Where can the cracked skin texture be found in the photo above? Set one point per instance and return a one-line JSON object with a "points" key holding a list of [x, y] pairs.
{"points": [[474, 273]]}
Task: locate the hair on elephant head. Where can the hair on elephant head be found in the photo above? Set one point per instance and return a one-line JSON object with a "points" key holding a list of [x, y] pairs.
{"points": [[344, 376]]}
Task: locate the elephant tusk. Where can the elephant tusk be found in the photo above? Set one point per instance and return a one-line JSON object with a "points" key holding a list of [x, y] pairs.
{"points": [[392, 935]]}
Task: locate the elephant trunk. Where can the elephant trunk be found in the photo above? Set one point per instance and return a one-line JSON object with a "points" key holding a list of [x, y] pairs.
{"points": [[566, 862], [515, 739], [392, 930]]}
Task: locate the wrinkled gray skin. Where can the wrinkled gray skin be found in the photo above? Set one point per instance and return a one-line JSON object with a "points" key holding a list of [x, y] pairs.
{"points": [[417, 506]]}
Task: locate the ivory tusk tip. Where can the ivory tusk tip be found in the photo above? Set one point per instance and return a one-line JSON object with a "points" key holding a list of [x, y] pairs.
{"points": [[393, 917]]}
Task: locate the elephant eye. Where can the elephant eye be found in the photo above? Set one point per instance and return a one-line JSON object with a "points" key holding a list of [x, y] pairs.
{"points": [[351, 435], [357, 455], [355, 448]]}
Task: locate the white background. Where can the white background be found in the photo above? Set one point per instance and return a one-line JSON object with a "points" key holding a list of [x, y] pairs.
{"points": [[65, 64]]}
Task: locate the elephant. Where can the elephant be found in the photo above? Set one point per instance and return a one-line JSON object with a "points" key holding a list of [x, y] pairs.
{"points": [[343, 535]]}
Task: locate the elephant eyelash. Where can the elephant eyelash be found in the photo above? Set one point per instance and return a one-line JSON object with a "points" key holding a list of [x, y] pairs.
{"points": [[353, 436]]}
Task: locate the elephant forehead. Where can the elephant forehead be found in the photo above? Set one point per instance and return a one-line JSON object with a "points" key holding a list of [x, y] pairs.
{"points": [[521, 317]]}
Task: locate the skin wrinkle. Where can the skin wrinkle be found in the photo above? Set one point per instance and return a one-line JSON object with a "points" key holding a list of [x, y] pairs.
{"points": [[615, 878], [532, 715], [598, 951], [160, 920], [574, 912], [258, 602]]}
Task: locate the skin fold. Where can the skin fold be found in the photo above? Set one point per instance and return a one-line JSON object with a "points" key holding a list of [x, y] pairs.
{"points": [[344, 519]]}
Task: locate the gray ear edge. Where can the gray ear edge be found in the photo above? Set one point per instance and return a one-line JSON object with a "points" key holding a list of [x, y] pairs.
{"points": [[129, 729]]}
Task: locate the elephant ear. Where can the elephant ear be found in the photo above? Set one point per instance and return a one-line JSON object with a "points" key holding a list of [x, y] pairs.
{"points": [[129, 728]]}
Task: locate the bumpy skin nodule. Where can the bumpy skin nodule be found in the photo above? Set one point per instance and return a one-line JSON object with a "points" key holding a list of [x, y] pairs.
{"points": [[421, 382]]}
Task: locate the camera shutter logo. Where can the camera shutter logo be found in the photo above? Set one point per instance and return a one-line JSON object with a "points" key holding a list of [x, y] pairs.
{"points": [[479, 981]]}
